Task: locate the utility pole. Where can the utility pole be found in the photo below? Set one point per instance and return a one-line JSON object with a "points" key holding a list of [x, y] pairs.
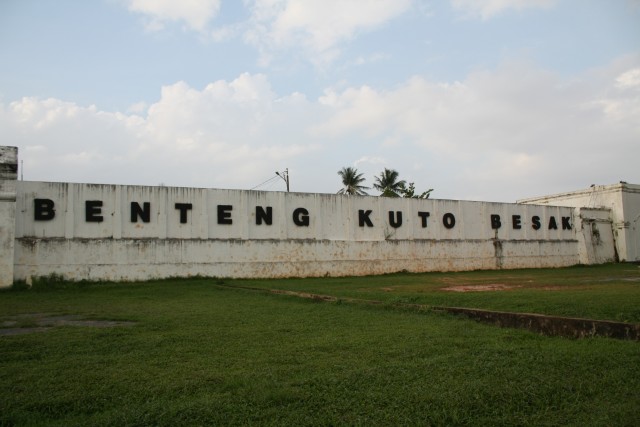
{"points": [[285, 177]]}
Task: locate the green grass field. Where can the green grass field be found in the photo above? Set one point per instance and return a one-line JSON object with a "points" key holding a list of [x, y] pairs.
{"points": [[203, 354]]}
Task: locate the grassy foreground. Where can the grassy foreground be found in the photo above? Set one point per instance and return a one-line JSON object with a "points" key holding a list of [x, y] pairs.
{"points": [[603, 292], [201, 354]]}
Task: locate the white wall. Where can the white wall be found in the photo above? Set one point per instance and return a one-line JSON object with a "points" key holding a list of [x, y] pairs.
{"points": [[331, 217], [623, 202], [86, 231], [596, 242], [333, 243], [8, 176]]}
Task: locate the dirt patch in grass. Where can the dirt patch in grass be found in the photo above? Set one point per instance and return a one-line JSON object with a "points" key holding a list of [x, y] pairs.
{"points": [[617, 279], [42, 322], [560, 288], [480, 288], [495, 287]]}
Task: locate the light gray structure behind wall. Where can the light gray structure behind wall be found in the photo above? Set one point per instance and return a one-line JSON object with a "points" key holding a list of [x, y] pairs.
{"points": [[622, 200], [8, 177]]}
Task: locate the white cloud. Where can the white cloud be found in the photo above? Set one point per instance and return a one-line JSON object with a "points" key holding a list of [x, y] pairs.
{"points": [[489, 8], [316, 26], [229, 135], [369, 160], [226, 32], [369, 59], [138, 107], [515, 128], [501, 134], [315, 29], [629, 79], [196, 14]]}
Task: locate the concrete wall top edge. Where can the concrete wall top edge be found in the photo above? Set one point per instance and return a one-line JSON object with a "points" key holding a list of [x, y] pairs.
{"points": [[609, 188], [292, 193]]}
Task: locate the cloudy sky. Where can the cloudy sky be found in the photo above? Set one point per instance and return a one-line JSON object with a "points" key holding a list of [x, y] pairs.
{"points": [[478, 99]]}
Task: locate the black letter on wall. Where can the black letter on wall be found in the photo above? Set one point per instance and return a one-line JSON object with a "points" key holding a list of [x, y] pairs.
{"points": [[224, 214], [301, 217], [495, 222], [92, 210], [517, 225], [262, 215], [392, 219], [535, 222], [144, 213], [449, 220], [552, 223], [363, 218], [183, 208], [566, 225], [424, 216], [43, 210]]}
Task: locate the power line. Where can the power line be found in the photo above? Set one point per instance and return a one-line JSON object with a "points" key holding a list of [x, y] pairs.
{"points": [[270, 179], [284, 175], [270, 185]]}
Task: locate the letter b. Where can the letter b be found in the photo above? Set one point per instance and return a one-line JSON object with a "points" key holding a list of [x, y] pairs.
{"points": [[43, 210]]}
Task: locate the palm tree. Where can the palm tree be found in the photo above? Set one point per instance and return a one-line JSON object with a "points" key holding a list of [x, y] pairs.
{"points": [[351, 180], [388, 183]]}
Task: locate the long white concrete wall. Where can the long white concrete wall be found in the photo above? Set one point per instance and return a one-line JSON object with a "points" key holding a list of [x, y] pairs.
{"points": [[90, 211], [85, 231], [112, 232]]}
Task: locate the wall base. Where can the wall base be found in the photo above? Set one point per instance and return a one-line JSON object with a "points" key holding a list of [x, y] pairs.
{"points": [[144, 259]]}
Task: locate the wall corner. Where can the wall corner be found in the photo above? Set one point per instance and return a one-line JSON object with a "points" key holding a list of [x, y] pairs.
{"points": [[8, 182], [594, 232]]}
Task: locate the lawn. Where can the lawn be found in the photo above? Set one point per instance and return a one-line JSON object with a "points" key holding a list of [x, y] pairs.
{"points": [[602, 292], [197, 353]]}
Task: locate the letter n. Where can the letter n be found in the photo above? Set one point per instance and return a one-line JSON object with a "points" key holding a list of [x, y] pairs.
{"points": [[144, 212], [264, 215]]}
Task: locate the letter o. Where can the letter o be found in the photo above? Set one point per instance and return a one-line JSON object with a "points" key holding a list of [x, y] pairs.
{"points": [[449, 220]]}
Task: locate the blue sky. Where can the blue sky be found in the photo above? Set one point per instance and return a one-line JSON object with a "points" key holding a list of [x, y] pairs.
{"points": [[479, 99]]}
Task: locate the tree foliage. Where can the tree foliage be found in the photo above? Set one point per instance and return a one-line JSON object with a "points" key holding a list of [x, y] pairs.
{"points": [[351, 181], [387, 183], [410, 192]]}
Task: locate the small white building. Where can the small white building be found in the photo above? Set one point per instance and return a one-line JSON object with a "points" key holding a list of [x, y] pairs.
{"points": [[623, 202]]}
